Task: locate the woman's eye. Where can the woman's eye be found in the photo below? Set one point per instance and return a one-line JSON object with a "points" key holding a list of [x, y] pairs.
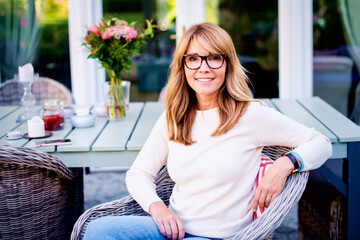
{"points": [[215, 58], [192, 59]]}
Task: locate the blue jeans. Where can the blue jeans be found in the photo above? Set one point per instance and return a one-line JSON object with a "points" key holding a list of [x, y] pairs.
{"points": [[126, 227]]}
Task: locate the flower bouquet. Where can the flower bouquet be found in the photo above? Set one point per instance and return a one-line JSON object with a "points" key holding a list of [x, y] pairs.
{"points": [[113, 43]]}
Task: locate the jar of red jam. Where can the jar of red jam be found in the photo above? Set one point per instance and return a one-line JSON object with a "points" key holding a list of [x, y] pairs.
{"points": [[53, 115]]}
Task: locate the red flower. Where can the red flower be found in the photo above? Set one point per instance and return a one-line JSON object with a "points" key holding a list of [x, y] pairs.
{"points": [[94, 51]]}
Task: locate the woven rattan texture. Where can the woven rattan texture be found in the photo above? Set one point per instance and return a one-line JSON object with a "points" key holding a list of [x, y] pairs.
{"points": [[12, 91], [262, 228], [40, 198]]}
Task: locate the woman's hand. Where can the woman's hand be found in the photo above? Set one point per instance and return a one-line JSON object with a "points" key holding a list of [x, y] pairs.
{"points": [[272, 183], [169, 224]]}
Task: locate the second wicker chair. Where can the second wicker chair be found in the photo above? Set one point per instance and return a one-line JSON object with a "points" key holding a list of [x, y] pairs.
{"points": [[40, 198]]}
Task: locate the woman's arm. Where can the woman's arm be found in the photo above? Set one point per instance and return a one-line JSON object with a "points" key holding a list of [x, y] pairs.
{"points": [[311, 150], [140, 181], [270, 127]]}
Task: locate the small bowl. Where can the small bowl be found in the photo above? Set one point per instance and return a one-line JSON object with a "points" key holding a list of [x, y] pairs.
{"points": [[83, 121]]}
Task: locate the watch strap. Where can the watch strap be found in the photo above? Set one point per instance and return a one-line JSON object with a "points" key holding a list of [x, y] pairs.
{"points": [[294, 161]]}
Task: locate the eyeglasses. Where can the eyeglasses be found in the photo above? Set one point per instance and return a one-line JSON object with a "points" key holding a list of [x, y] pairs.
{"points": [[194, 61]]}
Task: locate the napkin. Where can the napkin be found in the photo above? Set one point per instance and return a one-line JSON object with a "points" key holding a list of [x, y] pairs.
{"points": [[36, 127], [26, 73]]}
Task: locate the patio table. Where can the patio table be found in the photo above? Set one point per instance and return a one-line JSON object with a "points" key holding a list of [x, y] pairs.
{"points": [[117, 143]]}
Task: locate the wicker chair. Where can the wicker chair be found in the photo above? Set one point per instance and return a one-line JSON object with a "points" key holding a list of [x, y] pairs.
{"points": [[40, 198], [12, 91], [261, 228]]}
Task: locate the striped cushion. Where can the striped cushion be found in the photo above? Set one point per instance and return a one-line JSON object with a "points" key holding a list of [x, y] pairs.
{"points": [[265, 164]]}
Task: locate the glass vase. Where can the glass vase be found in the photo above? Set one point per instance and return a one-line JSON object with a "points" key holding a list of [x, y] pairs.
{"points": [[116, 93]]}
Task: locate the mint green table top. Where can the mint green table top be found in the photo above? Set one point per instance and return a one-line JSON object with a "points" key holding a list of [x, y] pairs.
{"points": [[117, 143]]}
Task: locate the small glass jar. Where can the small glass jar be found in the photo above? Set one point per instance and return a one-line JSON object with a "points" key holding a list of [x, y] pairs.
{"points": [[53, 115]]}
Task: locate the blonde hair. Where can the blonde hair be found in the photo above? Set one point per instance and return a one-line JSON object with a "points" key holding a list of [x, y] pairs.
{"points": [[181, 102]]}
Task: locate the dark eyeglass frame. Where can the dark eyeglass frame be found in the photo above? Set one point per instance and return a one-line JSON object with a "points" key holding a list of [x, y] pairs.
{"points": [[204, 58]]}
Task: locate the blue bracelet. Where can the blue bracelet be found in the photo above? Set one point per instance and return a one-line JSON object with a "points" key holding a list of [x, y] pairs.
{"points": [[300, 159], [294, 161]]}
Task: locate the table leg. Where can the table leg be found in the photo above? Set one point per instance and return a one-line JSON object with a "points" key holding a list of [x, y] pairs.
{"points": [[353, 209]]}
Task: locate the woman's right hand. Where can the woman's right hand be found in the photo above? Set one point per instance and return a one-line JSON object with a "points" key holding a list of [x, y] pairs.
{"points": [[169, 223]]}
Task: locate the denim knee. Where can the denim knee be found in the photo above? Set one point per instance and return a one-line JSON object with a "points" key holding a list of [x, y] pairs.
{"points": [[123, 227], [98, 228]]}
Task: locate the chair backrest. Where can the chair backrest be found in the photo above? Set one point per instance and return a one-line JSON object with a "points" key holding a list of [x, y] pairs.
{"points": [[38, 195], [12, 91], [47, 88]]}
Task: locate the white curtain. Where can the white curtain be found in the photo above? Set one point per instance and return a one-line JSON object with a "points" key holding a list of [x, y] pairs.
{"points": [[19, 34]]}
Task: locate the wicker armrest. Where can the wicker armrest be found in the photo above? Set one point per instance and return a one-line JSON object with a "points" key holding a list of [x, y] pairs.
{"points": [[124, 206], [274, 215]]}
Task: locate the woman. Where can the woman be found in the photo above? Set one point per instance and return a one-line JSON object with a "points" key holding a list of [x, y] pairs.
{"points": [[210, 136]]}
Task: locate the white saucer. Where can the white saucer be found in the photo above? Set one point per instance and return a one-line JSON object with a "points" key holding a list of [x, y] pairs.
{"points": [[13, 138], [47, 134]]}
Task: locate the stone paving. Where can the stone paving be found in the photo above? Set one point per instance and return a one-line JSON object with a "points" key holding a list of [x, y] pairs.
{"points": [[106, 185]]}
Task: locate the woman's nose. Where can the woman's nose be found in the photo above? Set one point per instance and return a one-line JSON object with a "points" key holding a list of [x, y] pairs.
{"points": [[204, 66]]}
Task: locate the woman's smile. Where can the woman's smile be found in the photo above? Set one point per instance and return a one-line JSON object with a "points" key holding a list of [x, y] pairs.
{"points": [[204, 79]]}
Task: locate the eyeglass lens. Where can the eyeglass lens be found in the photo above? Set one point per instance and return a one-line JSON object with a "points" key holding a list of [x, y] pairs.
{"points": [[213, 61]]}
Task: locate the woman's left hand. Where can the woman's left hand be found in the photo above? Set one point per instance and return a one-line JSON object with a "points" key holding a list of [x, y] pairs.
{"points": [[272, 183]]}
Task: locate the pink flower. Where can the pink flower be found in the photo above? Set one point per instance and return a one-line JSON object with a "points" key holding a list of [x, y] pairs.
{"points": [[94, 28], [132, 33], [105, 35]]}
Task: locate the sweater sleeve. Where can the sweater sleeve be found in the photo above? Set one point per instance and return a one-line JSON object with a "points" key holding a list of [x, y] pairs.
{"points": [[273, 128], [152, 157]]}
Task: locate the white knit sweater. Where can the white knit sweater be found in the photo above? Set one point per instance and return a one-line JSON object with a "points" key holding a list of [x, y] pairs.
{"points": [[215, 177]]}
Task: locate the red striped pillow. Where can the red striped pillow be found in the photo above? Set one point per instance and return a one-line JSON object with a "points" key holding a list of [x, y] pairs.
{"points": [[265, 163]]}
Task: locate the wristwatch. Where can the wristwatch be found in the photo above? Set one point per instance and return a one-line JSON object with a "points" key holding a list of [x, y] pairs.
{"points": [[294, 161]]}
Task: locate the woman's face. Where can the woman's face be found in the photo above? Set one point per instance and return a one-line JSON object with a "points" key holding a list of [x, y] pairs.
{"points": [[205, 81]]}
